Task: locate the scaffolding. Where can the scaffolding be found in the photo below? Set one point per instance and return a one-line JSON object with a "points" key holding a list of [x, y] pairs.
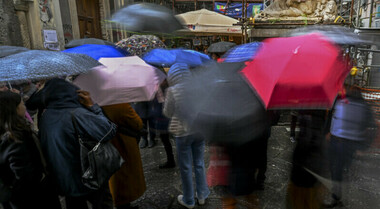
{"points": [[266, 3]]}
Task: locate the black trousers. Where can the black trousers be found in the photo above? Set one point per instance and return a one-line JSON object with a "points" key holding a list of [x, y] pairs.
{"points": [[100, 199]]}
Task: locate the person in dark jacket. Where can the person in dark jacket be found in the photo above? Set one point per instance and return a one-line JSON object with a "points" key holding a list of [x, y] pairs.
{"points": [[21, 167], [62, 101], [351, 125]]}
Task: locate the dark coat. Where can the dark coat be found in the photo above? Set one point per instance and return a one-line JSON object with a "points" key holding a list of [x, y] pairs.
{"points": [[57, 134], [22, 171]]}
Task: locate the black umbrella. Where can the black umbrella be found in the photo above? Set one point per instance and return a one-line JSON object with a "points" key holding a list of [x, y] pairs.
{"points": [[9, 50], [147, 17], [220, 47], [43, 64], [83, 41], [220, 105]]}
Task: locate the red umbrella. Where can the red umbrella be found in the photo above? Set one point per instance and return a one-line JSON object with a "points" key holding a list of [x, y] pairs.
{"points": [[297, 72]]}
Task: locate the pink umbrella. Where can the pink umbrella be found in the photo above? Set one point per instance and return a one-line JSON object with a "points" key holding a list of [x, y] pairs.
{"points": [[121, 80], [297, 72]]}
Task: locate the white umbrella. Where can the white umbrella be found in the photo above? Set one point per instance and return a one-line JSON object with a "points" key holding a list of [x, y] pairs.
{"points": [[122, 80]]}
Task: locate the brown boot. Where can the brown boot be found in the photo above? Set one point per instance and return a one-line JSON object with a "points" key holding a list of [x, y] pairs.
{"points": [[228, 203]]}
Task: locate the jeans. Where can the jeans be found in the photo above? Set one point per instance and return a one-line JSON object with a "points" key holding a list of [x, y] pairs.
{"points": [[190, 150]]}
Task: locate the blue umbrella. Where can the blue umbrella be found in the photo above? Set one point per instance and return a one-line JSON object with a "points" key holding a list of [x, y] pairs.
{"points": [[241, 53], [168, 57], [97, 51]]}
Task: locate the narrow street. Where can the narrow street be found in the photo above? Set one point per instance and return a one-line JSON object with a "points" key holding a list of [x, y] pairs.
{"points": [[164, 186]]}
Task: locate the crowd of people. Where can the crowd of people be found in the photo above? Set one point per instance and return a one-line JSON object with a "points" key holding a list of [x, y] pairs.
{"points": [[38, 167]]}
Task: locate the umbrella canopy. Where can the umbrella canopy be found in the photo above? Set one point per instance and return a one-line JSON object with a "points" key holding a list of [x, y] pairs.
{"points": [[337, 34], [168, 57], [98, 51], [123, 80], [242, 53], [147, 17], [83, 41], [220, 47], [137, 45], [297, 72], [220, 105], [9, 50], [206, 21], [42, 64]]}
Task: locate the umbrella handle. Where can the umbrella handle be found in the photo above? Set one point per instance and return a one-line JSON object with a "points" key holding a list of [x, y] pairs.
{"points": [[10, 86]]}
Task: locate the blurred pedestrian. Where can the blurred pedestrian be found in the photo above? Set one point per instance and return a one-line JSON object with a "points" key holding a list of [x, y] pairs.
{"points": [[22, 167], [156, 125], [190, 146], [128, 183], [147, 134], [353, 128], [304, 190], [63, 102], [261, 150]]}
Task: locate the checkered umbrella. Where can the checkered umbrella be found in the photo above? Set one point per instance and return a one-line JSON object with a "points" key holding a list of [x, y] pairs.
{"points": [[242, 53], [138, 45]]}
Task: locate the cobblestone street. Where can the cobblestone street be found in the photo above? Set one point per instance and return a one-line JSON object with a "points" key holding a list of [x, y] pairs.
{"points": [[164, 186]]}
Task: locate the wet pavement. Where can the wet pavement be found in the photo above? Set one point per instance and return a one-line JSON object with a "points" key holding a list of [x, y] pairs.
{"points": [[163, 186]]}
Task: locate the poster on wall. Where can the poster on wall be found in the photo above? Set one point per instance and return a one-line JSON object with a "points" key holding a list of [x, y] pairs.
{"points": [[51, 40], [235, 10]]}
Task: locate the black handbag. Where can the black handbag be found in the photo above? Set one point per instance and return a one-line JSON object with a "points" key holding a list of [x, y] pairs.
{"points": [[99, 159]]}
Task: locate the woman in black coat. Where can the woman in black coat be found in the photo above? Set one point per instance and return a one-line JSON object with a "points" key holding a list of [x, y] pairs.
{"points": [[21, 168]]}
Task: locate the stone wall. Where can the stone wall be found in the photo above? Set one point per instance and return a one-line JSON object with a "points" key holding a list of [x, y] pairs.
{"points": [[10, 33]]}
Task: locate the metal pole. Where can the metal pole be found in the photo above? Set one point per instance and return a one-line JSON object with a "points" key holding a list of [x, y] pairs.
{"points": [[352, 10], [370, 14], [358, 15], [245, 20]]}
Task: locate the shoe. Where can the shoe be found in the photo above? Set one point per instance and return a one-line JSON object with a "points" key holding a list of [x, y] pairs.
{"points": [[333, 204], [200, 201], [151, 143], [228, 203], [167, 165], [292, 139], [181, 202], [143, 143]]}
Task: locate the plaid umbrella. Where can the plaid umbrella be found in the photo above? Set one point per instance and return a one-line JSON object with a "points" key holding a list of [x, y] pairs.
{"points": [[9, 50], [138, 45], [83, 41], [241, 53], [42, 64]]}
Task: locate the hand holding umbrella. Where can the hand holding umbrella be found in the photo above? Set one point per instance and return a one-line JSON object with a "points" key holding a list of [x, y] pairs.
{"points": [[85, 98]]}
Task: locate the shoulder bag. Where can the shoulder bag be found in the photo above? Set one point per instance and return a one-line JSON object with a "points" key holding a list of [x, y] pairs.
{"points": [[99, 159]]}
